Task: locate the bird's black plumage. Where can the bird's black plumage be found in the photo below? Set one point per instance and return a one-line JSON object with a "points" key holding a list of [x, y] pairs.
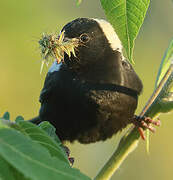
{"points": [[93, 95]]}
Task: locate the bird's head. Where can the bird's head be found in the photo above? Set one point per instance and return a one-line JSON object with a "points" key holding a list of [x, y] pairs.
{"points": [[96, 41], [89, 47], [83, 40], [98, 54]]}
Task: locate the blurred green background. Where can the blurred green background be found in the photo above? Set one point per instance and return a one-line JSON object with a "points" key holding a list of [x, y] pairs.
{"points": [[21, 25]]}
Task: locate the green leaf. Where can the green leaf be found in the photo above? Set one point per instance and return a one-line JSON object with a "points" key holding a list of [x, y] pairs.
{"points": [[33, 160], [6, 116], [165, 63], [19, 118], [41, 137], [50, 130], [126, 16], [8, 172], [5, 172], [164, 84], [162, 98]]}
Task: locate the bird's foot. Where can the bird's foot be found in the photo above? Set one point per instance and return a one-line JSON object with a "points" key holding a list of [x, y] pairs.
{"points": [[71, 159], [145, 123]]}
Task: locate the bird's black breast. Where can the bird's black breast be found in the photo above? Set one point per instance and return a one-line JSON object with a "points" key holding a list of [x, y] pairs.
{"points": [[84, 111], [67, 104]]}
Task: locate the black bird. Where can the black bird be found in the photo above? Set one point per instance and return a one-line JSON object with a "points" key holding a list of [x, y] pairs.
{"points": [[93, 95]]}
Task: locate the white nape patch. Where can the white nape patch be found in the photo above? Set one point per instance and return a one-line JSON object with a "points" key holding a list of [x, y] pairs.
{"points": [[110, 34], [55, 67]]}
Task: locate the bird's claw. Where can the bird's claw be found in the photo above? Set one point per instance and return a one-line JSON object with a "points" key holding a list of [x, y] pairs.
{"points": [[71, 159], [145, 123]]}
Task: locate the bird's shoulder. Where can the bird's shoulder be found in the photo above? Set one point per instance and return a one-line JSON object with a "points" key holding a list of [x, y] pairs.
{"points": [[57, 80]]}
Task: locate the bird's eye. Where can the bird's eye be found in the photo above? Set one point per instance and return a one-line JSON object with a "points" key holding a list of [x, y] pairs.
{"points": [[84, 38]]}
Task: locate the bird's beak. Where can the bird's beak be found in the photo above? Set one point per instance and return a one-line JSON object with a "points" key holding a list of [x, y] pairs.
{"points": [[67, 45], [53, 46]]}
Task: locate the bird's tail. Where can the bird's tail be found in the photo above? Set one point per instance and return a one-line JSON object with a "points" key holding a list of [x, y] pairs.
{"points": [[35, 120]]}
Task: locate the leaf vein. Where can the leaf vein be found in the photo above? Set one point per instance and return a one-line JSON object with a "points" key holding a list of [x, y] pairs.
{"points": [[115, 7], [136, 7], [127, 29], [144, 4], [131, 19], [35, 161]]}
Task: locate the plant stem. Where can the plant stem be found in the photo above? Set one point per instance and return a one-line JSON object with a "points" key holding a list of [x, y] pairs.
{"points": [[126, 145], [129, 142]]}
